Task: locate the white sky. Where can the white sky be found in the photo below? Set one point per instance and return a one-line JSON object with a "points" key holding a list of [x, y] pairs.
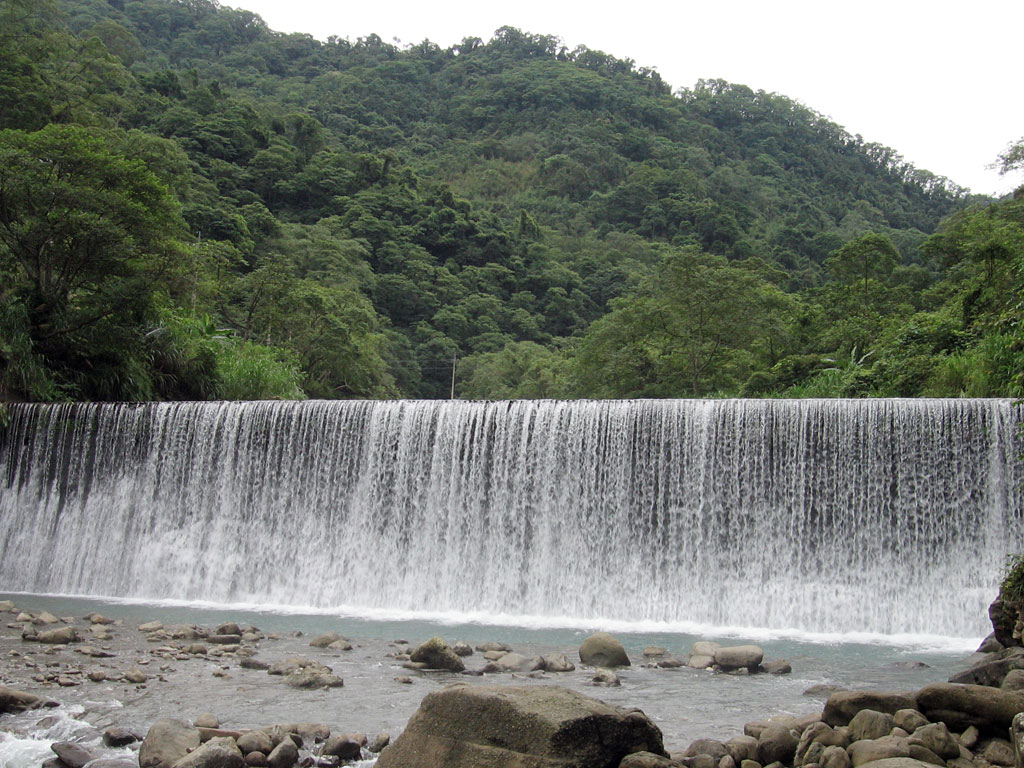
{"points": [[940, 82]]}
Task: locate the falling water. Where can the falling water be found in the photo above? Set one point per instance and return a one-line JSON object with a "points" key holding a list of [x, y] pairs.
{"points": [[886, 516]]}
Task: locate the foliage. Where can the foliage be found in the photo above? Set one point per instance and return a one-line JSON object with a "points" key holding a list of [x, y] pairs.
{"points": [[1012, 589], [195, 206]]}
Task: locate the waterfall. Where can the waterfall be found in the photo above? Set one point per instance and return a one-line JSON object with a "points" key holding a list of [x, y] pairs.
{"points": [[883, 516]]}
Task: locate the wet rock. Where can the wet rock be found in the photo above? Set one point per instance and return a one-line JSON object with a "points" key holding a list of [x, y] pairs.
{"points": [[343, 746], [251, 663], [605, 677], [1014, 680], [222, 639], [495, 655], [654, 650], [228, 628], [6, 606], [437, 654], [71, 754], [462, 649], [311, 677], [492, 646], [925, 755], [98, 618], [777, 667], [340, 645], [739, 656], [13, 700], [741, 748], [167, 741], [221, 752], [119, 737], [151, 626], [45, 618], [322, 641], [404, 680], [700, 661], [670, 662], [603, 650], [537, 725], [256, 759], [206, 720], [97, 675], [311, 732], [379, 742], [287, 666], [909, 720], [822, 690], [114, 762]]}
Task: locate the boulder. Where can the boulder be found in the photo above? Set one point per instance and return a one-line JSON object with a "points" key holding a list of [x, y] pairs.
{"points": [[700, 661], [61, 636], [961, 706], [871, 750], [869, 724], [909, 720], [462, 649], [492, 646], [834, 757], [206, 720], [992, 670], [843, 705], [379, 742], [704, 648], [71, 754], [605, 677], [255, 741], [777, 667], [710, 747], [45, 618], [525, 727], [6, 606], [167, 741], [1014, 680], [654, 650], [896, 762], [742, 748], [739, 657], [119, 737], [151, 626], [221, 752], [228, 628], [322, 641], [776, 744], [998, 752], [437, 654], [284, 755], [936, 738], [340, 645], [343, 746], [603, 650], [13, 700]]}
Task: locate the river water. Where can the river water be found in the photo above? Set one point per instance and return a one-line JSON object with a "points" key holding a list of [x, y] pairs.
{"points": [[685, 703]]}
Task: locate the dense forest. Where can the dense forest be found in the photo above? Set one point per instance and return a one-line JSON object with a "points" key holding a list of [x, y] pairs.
{"points": [[194, 206]]}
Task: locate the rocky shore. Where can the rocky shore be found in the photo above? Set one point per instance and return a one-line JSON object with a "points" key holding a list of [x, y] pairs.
{"points": [[492, 719]]}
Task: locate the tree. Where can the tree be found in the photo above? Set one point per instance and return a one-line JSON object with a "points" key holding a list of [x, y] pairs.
{"points": [[696, 321], [87, 235]]}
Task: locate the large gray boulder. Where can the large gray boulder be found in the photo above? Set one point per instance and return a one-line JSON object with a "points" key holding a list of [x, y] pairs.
{"points": [[519, 727], [843, 705], [990, 710], [437, 654], [739, 657], [872, 750], [603, 650], [993, 669], [167, 741], [869, 724]]}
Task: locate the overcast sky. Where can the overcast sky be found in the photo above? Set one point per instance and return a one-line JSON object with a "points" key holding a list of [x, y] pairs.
{"points": [[940, 82]]}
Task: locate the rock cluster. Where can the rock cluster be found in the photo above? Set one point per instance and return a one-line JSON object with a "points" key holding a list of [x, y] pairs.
{"points": [[943, 724], [734, 659], [173, 743]]}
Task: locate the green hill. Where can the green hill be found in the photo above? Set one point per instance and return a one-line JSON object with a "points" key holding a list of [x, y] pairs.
{"points": [[196, 206]]}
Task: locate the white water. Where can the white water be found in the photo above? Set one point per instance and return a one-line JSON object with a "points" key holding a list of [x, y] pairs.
{"points": [[884, 517]]}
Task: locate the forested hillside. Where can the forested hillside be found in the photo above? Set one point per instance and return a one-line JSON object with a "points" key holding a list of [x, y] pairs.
{"points": [[195, 206]]}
